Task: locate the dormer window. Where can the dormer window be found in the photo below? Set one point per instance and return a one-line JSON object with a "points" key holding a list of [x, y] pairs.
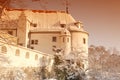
{"points": [[10, 32], [62, 25], [78, 24], [33, 24]]}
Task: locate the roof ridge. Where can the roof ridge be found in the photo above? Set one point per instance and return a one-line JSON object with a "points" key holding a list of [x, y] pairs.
{"points": [[33, 10]]}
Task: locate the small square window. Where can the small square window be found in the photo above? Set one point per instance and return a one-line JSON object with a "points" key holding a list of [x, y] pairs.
{"points": [[10, 32], [20, 44], [33, 24], [36, 41], [32, 47], [54, 46], [32, 41], [54, 39]]}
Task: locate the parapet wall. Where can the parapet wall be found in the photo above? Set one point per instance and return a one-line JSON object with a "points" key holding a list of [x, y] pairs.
{"points": [[18, 56]]}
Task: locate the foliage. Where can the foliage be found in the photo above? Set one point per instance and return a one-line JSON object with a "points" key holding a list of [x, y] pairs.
{"points": [[67, 69]]}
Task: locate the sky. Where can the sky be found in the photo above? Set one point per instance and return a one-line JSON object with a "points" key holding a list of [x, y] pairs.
{"points": [[101, 18]]}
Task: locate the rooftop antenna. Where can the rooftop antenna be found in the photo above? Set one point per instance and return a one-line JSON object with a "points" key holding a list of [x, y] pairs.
{"points": [[66, 3], [67, 8]]}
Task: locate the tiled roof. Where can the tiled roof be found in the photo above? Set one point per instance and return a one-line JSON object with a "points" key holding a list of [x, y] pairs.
{"points": [[40, 11], [44, 20], [5, 37]]}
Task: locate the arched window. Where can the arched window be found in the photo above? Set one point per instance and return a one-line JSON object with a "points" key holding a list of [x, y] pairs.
{"points": [[43, 61], [36, 57], [17, 52], [4, 49], [27, 55]]}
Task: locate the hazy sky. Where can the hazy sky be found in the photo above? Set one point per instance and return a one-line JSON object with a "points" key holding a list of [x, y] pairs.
{"points": [[101, 18]]}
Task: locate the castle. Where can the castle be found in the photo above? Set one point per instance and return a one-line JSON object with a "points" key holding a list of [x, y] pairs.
{"points": [[45, 31]]}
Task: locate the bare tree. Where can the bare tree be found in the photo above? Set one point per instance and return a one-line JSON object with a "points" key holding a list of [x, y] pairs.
{"points": [[4, 4], [103, 65]]}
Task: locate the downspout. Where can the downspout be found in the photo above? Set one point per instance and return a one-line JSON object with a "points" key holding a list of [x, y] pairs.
{"points": [[29, 36]]}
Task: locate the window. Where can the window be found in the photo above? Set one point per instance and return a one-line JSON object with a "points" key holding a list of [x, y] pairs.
{"points": [[63, 25], [67, 39], [3, 49], [33, 24], [84, 41], [20, 44], [36, 57], [32, 47], [27, 55], [17, 52], [54, 39], [10, 32], [54, 46], [63, 39], [34, 41]]}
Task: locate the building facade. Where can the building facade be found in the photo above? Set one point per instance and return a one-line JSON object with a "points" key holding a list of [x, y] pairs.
{"points": [[13, 55], [46, 31]]}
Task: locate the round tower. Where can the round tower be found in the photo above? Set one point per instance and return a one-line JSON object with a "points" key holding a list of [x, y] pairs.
{"points": [[65, 41], [79, 38], [79, 42]]}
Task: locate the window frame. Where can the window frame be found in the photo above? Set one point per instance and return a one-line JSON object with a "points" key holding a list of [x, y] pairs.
{"points": [[34, 42], [68, 40], [10, 32], [84, 41], [54, 39]]}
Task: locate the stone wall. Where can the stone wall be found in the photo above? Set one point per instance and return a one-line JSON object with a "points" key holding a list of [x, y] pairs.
{"points": [[19, 56]]}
